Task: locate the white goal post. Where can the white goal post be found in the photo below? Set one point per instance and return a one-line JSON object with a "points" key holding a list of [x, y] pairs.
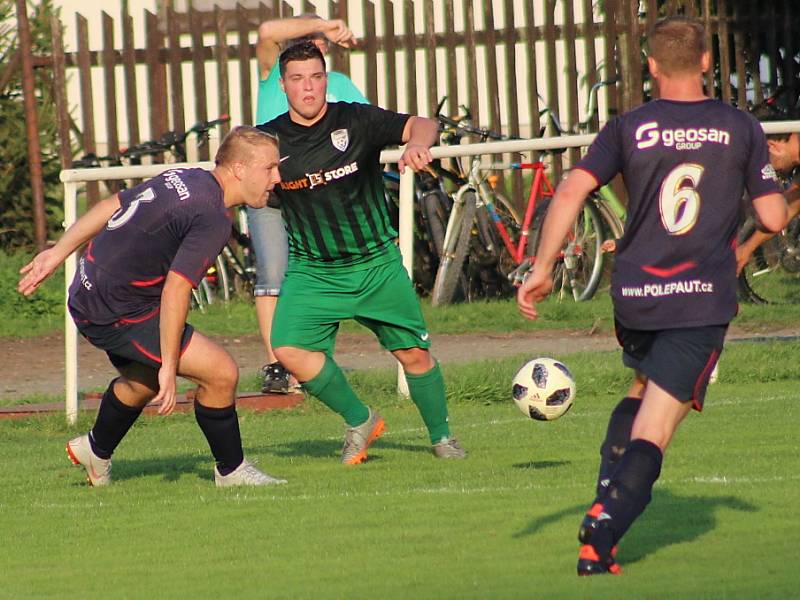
{"points": [[71, 179]]}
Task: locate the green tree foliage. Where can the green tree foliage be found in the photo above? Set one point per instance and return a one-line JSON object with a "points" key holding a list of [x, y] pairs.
{"points": [[16, 198]]}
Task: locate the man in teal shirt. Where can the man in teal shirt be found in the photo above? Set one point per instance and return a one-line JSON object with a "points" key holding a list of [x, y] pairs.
{"points": [[266, 226]]}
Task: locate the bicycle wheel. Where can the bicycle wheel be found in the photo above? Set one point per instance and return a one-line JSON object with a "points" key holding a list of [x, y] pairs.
{"points": [[614, 227], [241, 280], [579, 267], [203, 295], [456, 246], [223, 279], [490, 259], [772, 275], [434, 210]]}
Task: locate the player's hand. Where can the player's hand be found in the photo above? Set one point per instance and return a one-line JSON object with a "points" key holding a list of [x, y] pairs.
{"points": [[339, 33], [35, 272], [167, 391], [743, 255], [415, 156], [535, 288]]}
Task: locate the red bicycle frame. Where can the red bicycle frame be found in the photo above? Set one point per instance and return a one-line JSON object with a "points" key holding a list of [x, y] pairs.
{"points": [[540, 188]]}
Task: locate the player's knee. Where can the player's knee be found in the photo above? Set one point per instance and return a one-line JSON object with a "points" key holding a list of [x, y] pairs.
{"points": [[229, 376], [224, 379], [289, 357], [657, 435], [415, 360], [136, 392]]}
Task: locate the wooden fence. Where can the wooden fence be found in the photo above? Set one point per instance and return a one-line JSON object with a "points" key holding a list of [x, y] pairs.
{"points": [[499, 57]]}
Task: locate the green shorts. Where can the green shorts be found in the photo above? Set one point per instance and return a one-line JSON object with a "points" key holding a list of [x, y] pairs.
{"points": [[313, 301]]}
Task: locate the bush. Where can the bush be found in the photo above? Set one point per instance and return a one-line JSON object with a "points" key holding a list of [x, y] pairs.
{"points": [[16, 198], [40, 313]]}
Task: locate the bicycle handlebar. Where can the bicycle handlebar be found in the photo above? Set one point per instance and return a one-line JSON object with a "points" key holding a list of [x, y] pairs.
{"points": [[91, 160], [591, 108], [460, 125], [173, 140], [204, 126]]}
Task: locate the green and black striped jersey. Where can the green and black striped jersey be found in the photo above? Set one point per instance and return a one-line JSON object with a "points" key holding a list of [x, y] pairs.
{"points": [[331, 194]]}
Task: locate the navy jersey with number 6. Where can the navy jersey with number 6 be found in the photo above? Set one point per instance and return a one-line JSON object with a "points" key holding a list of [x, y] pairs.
{"points": [[174, 222], [685, 166]]}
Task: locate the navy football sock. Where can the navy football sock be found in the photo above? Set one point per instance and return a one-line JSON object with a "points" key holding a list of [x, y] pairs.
{"points": [[618, 435], [221, 428], [113, 421], [628, 494]]}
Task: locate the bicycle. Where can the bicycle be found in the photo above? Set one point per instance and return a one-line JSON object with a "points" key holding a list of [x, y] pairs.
{"points": [[579, 266], [603, 202]]}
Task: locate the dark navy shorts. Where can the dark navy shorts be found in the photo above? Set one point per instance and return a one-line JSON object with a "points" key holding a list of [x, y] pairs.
{"points": [[126, 342], [679, 361]]}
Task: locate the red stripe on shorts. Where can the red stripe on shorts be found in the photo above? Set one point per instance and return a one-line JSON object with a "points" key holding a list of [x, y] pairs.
{"points": [[149, 355], [704, 375]]}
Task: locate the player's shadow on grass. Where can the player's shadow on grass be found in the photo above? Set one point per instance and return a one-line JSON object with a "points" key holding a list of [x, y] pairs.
{"points": [[327, 448], [669, 519], [170, 468], [672, 519]]}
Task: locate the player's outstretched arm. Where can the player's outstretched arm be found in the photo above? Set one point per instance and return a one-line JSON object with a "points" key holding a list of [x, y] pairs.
{"points": [[174, 310], [419, 135], [46, 262], [564, 208]]}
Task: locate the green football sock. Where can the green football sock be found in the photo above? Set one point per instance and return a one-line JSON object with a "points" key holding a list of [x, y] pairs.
{"points": [[427, 392], [331, 387]]}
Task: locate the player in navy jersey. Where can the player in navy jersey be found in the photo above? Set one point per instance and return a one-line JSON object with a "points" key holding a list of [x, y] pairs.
{"points": [[343, 260], [784, 155], [148, 247], [686, 160]]}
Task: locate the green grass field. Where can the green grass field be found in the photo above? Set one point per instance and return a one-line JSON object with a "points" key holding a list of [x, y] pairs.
{"points": [[501, 524]]}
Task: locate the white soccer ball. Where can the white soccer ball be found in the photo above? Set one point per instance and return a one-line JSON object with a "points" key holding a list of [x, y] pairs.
{"points": [[544, 389]]}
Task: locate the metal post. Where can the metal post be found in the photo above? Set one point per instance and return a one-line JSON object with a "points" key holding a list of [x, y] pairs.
{"points": [[406, 227], [70, 332]]}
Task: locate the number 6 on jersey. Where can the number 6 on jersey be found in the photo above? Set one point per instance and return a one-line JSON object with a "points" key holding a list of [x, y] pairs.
{"points": [[679, 203]]}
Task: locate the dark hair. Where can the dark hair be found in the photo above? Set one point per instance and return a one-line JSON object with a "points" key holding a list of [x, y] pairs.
{"points": [[300, 52], [677, 44]]}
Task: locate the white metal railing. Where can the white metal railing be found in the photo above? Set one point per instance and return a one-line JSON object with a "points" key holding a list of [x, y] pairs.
{"points": [[72, 177]]}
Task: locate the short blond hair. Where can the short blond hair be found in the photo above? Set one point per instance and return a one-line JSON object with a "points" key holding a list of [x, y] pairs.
{"points": [[241, 144], [677, 44]]}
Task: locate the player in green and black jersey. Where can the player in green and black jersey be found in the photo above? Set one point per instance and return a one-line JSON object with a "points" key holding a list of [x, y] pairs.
{"points": [[343, 261]]}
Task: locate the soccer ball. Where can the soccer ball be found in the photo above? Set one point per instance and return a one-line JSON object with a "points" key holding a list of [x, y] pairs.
{"points": [[544, 389]]}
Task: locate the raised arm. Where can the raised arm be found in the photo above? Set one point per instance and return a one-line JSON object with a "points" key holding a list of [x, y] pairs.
{"points": [[46, 262], [272, 34]]}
